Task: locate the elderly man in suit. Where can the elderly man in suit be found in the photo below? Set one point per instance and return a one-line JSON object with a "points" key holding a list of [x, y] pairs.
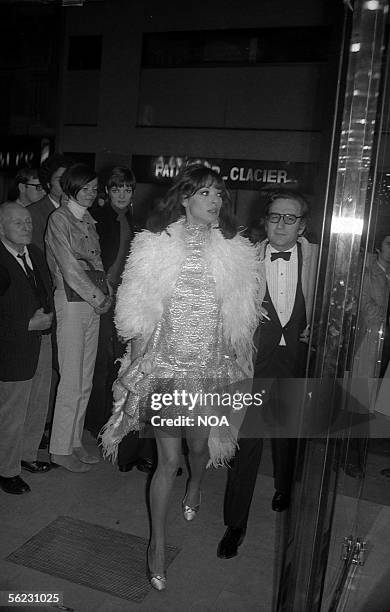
{"points": [[288, 262], [25, 348]]}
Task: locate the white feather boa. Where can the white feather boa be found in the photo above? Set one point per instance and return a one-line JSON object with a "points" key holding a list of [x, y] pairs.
{"points": [[151, 272]]}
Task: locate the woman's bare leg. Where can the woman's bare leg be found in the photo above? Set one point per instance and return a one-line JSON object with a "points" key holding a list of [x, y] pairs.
{"points": [[168, 455], [198, 456]]}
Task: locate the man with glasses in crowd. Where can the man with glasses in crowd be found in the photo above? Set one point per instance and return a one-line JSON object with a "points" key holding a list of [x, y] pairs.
{"points": [[288, 262], [29, 186], [52, 195], [50, 174]]}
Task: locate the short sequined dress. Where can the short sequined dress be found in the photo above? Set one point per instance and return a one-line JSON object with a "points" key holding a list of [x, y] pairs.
{"points": [[187, 347]]}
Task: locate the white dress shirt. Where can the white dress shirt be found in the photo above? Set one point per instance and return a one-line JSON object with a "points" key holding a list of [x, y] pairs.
{"points": [[16, 255], [53, 201], [282, 279]]}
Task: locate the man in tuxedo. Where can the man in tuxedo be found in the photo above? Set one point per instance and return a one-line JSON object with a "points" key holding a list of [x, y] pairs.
{"points": [[50, 174], [288, 263], [25, 348]]}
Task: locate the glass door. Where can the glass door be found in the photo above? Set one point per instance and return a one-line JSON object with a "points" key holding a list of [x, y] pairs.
{"points": [[327, 514], [366, 575]]}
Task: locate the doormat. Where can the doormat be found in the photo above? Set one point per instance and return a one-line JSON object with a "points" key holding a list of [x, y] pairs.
{"points": [[97, 557]]}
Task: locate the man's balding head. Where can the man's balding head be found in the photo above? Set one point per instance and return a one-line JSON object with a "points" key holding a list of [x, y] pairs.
{"points": [[15, 225]]}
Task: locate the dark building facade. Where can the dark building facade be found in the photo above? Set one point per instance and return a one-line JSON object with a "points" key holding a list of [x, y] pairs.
{"points": [[249, 87]]}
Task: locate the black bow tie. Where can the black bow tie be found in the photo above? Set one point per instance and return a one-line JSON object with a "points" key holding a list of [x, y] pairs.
{"points": [[282, 254]]}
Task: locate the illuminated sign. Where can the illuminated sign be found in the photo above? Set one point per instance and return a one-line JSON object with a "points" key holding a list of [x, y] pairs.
{"points": [[238, 174], [18, 151]]}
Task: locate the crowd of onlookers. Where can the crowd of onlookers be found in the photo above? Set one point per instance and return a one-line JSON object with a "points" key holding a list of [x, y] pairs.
{"points": [[65, 234], [64, 239]]}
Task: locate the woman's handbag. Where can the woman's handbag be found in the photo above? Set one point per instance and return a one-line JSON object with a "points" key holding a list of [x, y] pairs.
{"points": [[98, 277]]}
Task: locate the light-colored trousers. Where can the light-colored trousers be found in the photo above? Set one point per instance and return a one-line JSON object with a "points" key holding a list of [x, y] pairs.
{"points": [[23, 410], [77, 338]]}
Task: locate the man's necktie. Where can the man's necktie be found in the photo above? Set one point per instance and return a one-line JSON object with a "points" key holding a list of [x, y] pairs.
{"points": [[282, 255], [29, 272]]}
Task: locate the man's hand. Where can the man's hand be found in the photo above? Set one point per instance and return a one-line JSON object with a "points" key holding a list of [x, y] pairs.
{"points": [[305, 335], [40, 320]]}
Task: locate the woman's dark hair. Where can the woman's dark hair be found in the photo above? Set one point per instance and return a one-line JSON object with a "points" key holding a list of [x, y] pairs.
{"points": [[189, 180], [119, 177], [50, 166], [76, 177]]}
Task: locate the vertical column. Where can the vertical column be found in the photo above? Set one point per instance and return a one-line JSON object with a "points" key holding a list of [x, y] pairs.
{"points": [[348, 210]]}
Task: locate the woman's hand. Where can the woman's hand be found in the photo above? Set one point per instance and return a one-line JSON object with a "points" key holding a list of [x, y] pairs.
{"points": [[264, 314], [104, 306], [145, 364], [112, 276], [137, 349], [110, 288]]}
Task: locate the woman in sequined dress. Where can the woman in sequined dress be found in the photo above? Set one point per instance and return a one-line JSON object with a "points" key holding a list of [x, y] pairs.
{"points": [[187, 303]]}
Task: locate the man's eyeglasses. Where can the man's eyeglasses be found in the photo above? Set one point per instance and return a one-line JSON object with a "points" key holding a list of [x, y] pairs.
{"points": [[37, 186], [287, 218]]}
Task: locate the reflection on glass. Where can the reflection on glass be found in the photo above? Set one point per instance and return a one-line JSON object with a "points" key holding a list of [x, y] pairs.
{"points": [[333, 490], [369, 363]]}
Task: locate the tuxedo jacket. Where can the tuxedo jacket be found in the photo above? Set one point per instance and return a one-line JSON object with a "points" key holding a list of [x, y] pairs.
{"points": [[19, 347], [269, 332], [40, 212]]}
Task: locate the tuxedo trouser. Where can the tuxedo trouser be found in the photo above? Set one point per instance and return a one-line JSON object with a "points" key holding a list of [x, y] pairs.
{"points": [[77, 338], [23, 410], [241, 482], [242, 474]]}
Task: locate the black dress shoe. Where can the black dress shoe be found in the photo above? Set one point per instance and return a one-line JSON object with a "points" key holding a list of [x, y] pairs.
{"points": [[232, 539], [126, 467], [280, 501], [14, 485], [143, 465], [36, 467], [146, 465]]}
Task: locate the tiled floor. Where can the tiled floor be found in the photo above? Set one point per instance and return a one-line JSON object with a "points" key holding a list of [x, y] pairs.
{"points": [[197, 580]]}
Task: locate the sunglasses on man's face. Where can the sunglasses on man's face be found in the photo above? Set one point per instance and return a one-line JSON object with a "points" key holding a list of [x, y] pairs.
{"points": [[287, 218], [37, 186]]}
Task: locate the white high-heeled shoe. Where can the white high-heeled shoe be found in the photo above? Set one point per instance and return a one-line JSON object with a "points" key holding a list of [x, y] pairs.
{"points": [[158, 581], [190, 512]]}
